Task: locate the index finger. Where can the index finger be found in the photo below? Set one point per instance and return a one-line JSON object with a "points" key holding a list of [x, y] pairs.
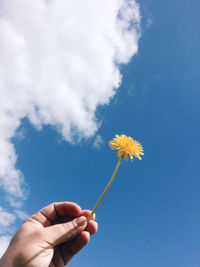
{"points": [[54, 211]]}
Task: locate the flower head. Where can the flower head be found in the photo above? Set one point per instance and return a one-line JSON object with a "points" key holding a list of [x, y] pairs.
{"points": [[126, 146]]}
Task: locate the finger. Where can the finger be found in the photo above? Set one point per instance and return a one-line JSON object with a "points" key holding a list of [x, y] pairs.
{"points": [[54, 211], [86, 213], [59, 233], [92, 227], [68, 250], [57, 257]]}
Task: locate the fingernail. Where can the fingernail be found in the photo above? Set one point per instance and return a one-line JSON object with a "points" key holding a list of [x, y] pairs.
{"points": [[80, 221]]}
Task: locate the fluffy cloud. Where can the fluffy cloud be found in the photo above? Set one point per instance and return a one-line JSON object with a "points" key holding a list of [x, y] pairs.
{"points": [[6, 220], [4, 242], [59, 60], [7, 227], [98, 142]]}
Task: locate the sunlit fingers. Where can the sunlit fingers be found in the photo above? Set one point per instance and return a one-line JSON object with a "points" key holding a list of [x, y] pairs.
{"points": [[49, 214], [86, 213], [68, 250], [92, 227]]}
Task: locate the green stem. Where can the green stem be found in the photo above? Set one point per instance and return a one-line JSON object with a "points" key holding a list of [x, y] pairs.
{"points": [[105, 190]]}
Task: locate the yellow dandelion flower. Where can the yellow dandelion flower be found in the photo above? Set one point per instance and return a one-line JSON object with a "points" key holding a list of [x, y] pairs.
{"points": [[126, 146]]}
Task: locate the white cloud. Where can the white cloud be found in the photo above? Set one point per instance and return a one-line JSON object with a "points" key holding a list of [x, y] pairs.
{"points": [[21, 214], [59, 60], [4, 242], [98, 142], [149, 22], [7, 227], [6, 221]]}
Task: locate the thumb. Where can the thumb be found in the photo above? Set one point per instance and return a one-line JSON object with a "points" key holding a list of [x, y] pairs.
{"points": [[59, 233]]}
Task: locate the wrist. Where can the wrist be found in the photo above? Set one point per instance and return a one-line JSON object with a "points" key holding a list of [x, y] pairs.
{"points": [[6, 261]]}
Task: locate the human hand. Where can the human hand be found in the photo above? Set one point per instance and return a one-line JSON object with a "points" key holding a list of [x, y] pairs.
{"points": [[50, 237]]}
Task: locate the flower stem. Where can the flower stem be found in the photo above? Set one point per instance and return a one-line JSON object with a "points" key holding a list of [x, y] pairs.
{"points": [[105, 190]]}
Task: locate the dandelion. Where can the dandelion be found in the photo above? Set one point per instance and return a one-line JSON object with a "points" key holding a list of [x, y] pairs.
{"points": [[127, 147]]}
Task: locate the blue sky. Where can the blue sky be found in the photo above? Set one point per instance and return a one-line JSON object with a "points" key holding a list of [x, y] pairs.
{"points": [[150, 216]]}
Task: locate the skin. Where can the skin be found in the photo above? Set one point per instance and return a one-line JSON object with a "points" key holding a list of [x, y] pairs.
{"points": [[50, 237]]}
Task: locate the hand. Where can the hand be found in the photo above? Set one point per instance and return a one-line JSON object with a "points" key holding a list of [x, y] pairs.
{"points": [[50, 237]]}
